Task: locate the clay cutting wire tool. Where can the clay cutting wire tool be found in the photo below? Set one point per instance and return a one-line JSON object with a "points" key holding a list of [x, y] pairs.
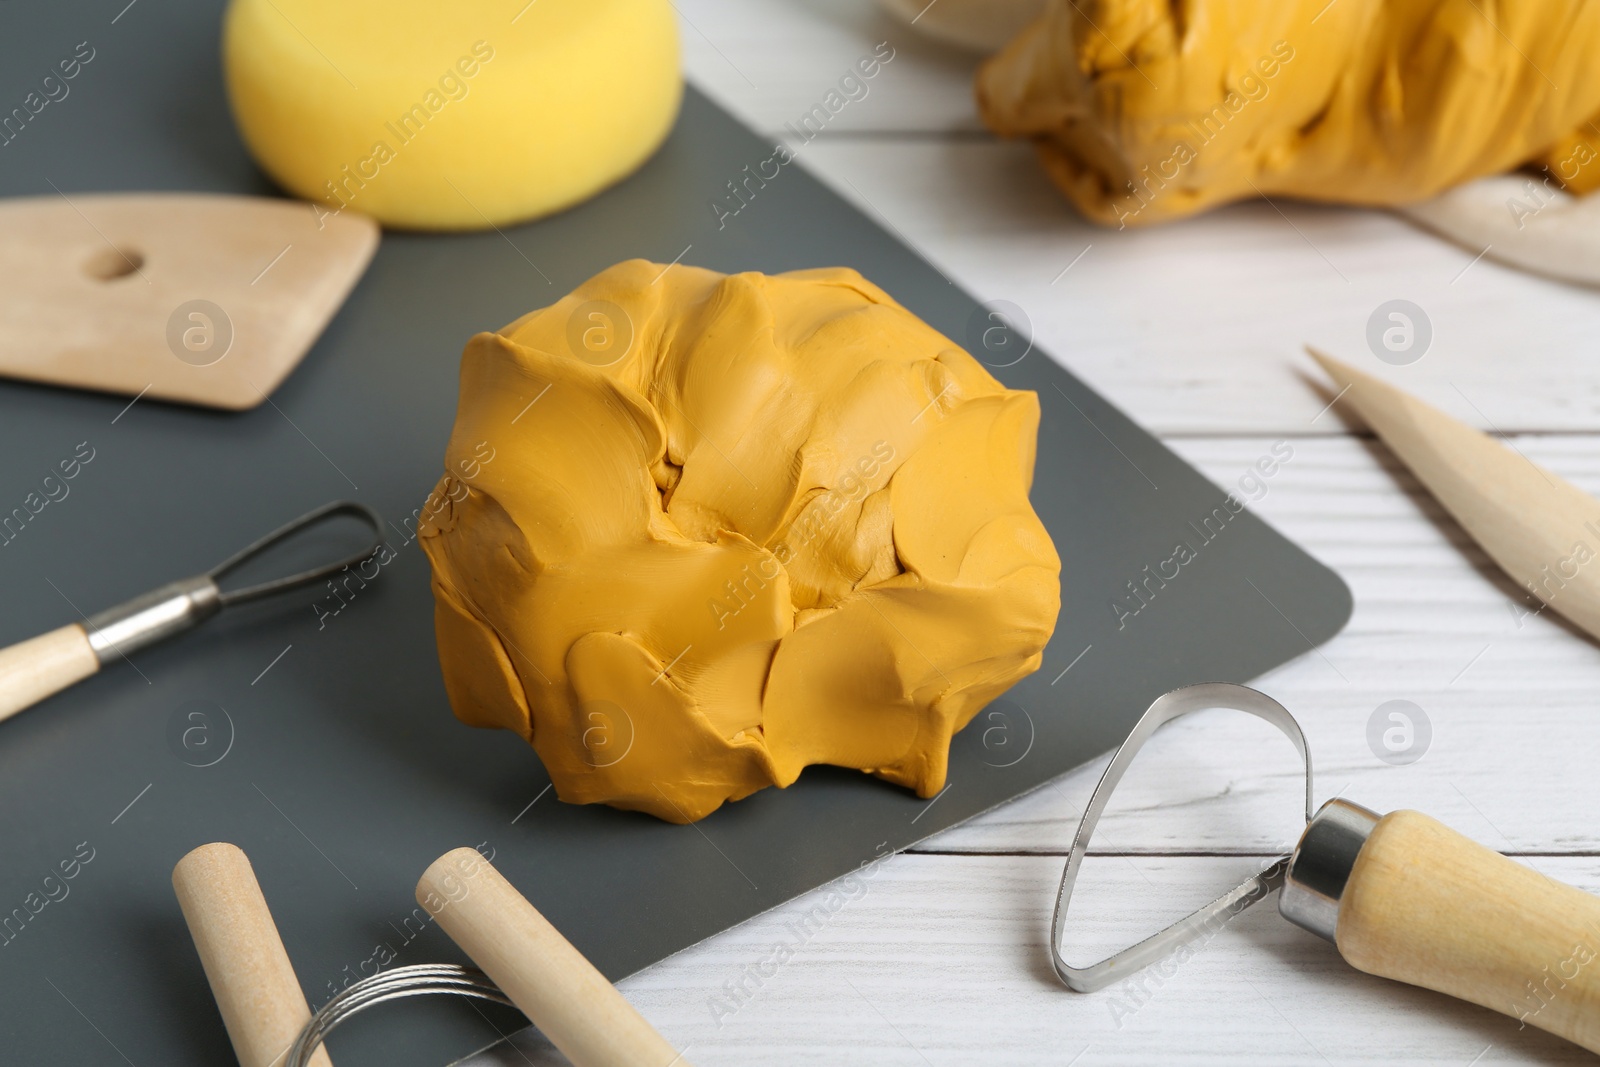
{"points": [[525, 963], [1401, 895], [41, 666]]}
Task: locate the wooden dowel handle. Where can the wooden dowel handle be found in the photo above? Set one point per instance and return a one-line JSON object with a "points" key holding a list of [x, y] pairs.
{"points": [[256, 989], [34, 669], [1425, 905], [570, 1002]]}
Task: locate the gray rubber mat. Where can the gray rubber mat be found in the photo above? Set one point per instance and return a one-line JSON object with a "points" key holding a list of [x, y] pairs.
{"points": [[344, 771]]}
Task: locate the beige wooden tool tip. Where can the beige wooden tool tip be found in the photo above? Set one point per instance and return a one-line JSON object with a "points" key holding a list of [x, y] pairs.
{"points": [[1522, 221], [34, 669], [570, 1002], [1427, 906], [249, 971], [99, 291], [1542, 530], [977, 25]]}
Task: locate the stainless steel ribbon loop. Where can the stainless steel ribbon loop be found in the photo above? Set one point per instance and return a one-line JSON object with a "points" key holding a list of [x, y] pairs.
{"points": [[1167, 707]]}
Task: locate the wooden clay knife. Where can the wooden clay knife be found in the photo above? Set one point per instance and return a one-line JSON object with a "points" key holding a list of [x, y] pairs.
{"points": [[197, 298]]}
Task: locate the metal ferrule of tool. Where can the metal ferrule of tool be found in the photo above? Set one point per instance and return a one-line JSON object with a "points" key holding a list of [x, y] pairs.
{"points": [[1319, 869], [153, 616], [1401, 895]]}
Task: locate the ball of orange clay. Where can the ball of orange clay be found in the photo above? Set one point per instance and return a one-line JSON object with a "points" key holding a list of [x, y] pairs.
{"points": [[699, 531]]}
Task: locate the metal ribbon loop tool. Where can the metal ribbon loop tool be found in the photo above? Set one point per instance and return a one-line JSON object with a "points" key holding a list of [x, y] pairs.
{"points": [[1169, 706], [1401, 895]]}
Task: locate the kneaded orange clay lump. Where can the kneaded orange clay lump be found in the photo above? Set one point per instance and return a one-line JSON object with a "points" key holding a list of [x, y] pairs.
{"points": [[704, 530], [1145, 110]]}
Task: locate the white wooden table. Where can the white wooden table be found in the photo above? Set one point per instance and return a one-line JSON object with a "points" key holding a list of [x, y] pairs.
{"points": [[1194, 329]]}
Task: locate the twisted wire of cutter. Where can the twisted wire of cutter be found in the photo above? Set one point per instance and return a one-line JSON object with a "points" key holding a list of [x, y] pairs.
{"points": [[421, 979]]}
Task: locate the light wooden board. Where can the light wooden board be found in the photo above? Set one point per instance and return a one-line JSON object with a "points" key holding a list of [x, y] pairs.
{"points": [[1510, 694], [940, 960], [947, 942], [1195, 330], [1199, 325], [1191, 327], [771, 61]]}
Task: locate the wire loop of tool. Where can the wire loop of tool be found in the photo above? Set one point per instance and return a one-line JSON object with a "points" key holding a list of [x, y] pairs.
{"points": [[1169, 706], [308, 577], [181, 605], [418, 980]]}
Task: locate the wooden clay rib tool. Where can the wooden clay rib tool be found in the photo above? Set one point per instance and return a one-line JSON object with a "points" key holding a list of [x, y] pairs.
{"points": [[41, 666], [261, 1001], [196, 298], [1528, 519], [1401, 895]]}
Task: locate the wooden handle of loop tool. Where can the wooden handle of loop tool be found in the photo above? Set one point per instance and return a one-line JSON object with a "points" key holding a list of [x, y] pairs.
{"points": [[1427, 906], [41, 666], [570, 1001]]}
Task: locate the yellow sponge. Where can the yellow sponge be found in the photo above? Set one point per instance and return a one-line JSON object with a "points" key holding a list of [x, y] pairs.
{"points": [[451, 116]]}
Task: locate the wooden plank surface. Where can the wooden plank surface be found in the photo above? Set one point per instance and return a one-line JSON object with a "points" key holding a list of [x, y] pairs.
{"points": [[771, 61], [1194, 329], [1510, 694], [1219, 305], [953, 936], [940, 960]]}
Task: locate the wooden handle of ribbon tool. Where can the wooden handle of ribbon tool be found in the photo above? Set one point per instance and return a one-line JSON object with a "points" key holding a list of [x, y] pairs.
{"points": [[570, 1001], [1425, 905], [41, 666], [249, 971]]}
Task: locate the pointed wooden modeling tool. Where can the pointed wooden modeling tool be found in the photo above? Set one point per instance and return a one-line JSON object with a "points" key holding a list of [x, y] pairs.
{"points": [[1542, 530], [202, 299]]}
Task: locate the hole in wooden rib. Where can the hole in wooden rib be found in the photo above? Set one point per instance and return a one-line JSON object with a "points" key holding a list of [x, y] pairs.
{"points": [[109, 264]]}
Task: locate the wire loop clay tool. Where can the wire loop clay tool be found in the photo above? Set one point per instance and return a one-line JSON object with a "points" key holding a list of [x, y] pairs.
{"points": [[526, 964], [44, 665], [1401, 895]]}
